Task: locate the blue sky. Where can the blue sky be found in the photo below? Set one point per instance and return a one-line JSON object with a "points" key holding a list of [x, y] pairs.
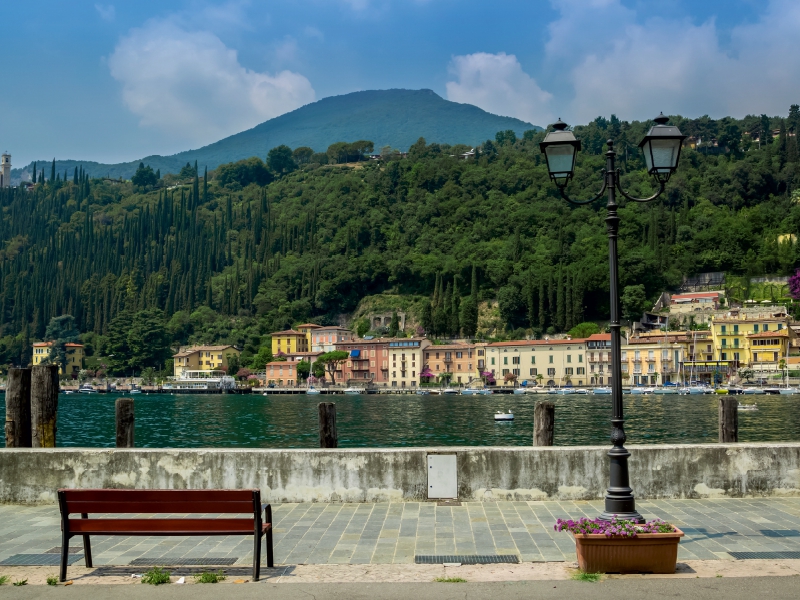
{"points": [[114, 81]]}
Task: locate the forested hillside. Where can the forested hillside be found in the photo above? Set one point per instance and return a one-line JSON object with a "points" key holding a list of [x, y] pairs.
{"points": [[394, 118], [140, 268]]}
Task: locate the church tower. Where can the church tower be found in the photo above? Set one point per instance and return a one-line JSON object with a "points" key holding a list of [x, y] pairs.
{"points": [[5, 170]]}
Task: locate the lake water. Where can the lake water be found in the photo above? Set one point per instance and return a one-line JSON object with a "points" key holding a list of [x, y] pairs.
{"points": [[290, 421]]}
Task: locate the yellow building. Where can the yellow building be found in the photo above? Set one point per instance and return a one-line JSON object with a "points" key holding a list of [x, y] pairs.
{"points": [[74, 354], [203, 358], [290, 341], [756, 340], [551, 362], [655, 358], [308, 329], [464, 362]]}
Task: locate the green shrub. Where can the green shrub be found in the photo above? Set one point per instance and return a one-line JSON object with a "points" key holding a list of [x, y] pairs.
{"points": [[156, 576], [52, 580], [450, 580], [20, 582], [208, 577], [584, 576], [4, 579]]}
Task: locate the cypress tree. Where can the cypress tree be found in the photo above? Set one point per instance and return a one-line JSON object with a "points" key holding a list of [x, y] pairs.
{"points": [[560, 320], [568, 305], [53, 171], [542, 312]]}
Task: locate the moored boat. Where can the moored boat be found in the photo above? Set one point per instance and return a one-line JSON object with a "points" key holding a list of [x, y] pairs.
{"points": [[503, 416], [312, 391], [353, 391], [601, 391], [450, 392]]}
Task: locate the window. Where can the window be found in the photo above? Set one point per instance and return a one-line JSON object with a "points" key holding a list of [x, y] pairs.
{"points": [[650, 355], [723, 356], [735, 329], [515, 360], [724, 342], [534, 371], [533, 360], [505, 371], [493, 360], [480, 352], [551, 360], [723, 330], [505, 360], [515, 371], [736, 356], [580, 358], [569, 358], [765, 327], [437, 355], [394, 373], [735, 342], [551, 372], [780, 326], [624, 355], [458, 354], [581, 371], [568, 371], [755, 328]]}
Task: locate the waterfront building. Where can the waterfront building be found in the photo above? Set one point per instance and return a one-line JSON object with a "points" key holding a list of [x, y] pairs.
{"points": [[308, 329], [464, 362], [759, 340], [289, 341], [282, 372], [553, 362], [74, 355], [598, 358], [654, 358], [325, 338], [203, 358], [387, 362]]}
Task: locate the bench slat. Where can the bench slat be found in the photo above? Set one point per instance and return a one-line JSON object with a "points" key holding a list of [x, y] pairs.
{"points": [[161, 526], [148, 506], [158, 495]]}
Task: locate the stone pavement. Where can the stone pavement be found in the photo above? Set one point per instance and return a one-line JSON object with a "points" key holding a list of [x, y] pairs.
{"points": [[395, 533]]}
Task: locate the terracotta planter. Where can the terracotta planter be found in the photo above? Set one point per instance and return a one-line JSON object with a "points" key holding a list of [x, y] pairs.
{"points": [[645, 553]]}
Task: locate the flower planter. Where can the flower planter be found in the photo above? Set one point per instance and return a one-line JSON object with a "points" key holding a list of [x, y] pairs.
{"points": [[644, 553]]}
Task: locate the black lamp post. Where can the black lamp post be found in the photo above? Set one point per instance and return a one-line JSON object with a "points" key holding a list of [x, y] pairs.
{"points": [[662, 148]]}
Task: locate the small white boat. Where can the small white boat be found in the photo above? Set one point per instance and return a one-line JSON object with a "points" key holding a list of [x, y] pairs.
{"points": [[423, 393], [87, 390], [641, 390], [503, 416], [601, 391], [580, 391], [67, 392], [312, 391], [520, 390], [695, 390], [665, 390], [751, 391], [772, 391], [789, 391], [476, 392], [353, 391], [450, 392], [735, 390], [135, 391], [748, 407]]}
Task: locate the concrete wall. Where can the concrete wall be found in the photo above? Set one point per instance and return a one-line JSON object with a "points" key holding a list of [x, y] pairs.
{"points": [[368, 475]]}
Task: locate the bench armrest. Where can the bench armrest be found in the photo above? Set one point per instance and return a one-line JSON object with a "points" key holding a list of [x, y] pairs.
{"points": [[267, 513]]}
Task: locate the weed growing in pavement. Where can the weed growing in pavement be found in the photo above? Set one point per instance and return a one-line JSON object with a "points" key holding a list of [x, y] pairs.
{"points": [[156, 576], [584, 576], [208, 577], [20, 582], [4, 579], [52, 580], [450, 580]]}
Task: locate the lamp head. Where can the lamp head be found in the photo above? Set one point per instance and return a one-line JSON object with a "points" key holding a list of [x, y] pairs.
{"points": [[559, 148], [662, 149]]}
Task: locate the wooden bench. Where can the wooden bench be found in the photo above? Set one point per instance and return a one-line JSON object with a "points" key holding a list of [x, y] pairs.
{"points": [[154, 502]]}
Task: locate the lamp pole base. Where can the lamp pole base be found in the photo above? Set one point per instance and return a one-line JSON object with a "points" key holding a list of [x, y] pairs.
{"points": [[622, 516]]}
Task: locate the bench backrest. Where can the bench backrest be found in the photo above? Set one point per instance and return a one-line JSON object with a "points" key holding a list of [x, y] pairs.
{"points": [[160, 501]]}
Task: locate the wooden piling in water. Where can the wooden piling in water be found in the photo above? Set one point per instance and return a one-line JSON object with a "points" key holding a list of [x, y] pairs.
{"points": [[728, 420], [544, 415], [125, 422], [328, 437], [18, 408], [44, 405]]}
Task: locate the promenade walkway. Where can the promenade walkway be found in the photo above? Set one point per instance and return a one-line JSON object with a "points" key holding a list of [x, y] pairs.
{"points": [[392, 533]]}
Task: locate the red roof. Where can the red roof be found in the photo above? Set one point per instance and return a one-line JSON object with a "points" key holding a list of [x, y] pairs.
{"points": [[539, 342], [312, 325], [698, 295], [602, 337], [288, 332]]}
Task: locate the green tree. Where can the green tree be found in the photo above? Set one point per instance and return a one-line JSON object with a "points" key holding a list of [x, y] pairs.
{"points": [[244, 172], [332, 361], [394, 325], [187, 171], [303, 370], [469, 317], [584, 330], [261, 359], [280, 160], [302, 155], [148, 340], [318, 369], [634, 302], [144, 177], [61, 331]]}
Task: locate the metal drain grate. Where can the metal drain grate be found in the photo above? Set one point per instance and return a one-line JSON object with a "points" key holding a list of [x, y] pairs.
{"points": [[785, 554], [465, 559], [38, 560], [181, 562], [448, 503], [72, 550]]}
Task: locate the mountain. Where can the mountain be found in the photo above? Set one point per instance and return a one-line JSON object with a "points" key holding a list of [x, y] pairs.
{"points": [[387, 117]]}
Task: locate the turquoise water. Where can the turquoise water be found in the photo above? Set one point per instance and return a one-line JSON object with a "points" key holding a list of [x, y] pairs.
{"points": [[255, 421]]}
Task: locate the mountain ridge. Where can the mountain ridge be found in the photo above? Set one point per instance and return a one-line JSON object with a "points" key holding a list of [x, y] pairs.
{"points": [[394, 117]]}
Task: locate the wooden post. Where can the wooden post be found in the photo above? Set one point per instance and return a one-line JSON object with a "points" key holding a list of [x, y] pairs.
{"points": [[18, 408], [544, 416], [124, 417], [44, 405], [328, 437], [728, 420]]}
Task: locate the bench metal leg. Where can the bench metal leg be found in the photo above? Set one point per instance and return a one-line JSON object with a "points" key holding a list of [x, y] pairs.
{"points": [[87, 547], [256, 557], [62, 576], [270, 556]]}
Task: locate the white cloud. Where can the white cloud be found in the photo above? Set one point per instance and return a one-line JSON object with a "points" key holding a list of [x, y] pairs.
{"points": [[636, 69], [313, 32], [497, 84], [107, 12], [190, 84]]}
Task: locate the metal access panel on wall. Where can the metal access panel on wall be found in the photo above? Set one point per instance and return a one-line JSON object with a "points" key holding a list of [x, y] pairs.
{"points": [[442, 476]]}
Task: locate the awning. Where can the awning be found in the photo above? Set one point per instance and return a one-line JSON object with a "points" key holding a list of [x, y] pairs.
{"points": [[355, 353]]}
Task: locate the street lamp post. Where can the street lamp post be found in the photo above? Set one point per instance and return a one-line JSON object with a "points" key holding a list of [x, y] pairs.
{"points": [[661, 148]]}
